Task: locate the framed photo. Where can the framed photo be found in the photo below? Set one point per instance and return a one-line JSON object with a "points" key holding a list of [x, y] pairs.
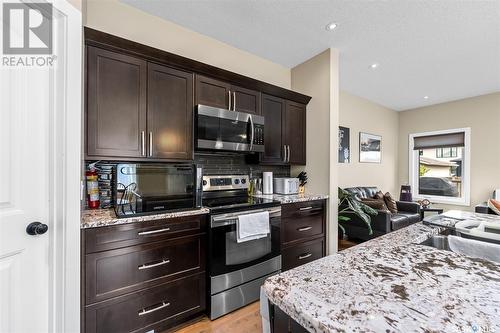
{"points": [[370, 148], [344, 145]]}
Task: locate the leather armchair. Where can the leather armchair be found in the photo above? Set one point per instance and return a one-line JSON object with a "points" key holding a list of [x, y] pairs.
{"points": [[383, 223]]}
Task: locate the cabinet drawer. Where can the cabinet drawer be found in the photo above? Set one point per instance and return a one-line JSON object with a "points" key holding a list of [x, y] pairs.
{"points": [[302, 222], [303, 253], [303, 209], [117, 272], [113, 237], [156, 308]]}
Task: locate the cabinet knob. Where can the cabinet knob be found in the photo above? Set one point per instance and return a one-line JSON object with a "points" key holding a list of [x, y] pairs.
{"points": [[36, 228]]}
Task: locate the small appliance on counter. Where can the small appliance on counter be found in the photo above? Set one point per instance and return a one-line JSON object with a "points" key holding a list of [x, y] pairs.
{"points": [[152, 188], [267, 183], [286, 185]]}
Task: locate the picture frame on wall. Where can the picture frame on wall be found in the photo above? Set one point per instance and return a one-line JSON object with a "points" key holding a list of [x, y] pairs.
{"points": [[344, 145], [370, 148]]}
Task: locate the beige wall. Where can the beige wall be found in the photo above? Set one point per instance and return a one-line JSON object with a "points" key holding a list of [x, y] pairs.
{"points": [[318, 78], [482, 115], [361, 115], [128, 22], [313, 79]]}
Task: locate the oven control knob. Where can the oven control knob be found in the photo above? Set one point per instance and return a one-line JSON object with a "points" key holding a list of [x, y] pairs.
{"points": [[236, 181], [243, 180]]}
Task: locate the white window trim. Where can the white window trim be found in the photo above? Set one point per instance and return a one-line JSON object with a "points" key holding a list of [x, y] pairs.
{"points": [[413, 169]]}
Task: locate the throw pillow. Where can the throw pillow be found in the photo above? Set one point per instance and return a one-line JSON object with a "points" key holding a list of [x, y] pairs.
{"points": [[375, 204], [390, 203], [494, 206], [379, 195]]}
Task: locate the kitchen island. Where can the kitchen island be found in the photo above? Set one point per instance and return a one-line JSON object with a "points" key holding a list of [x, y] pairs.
{"points": [[391, 284]]}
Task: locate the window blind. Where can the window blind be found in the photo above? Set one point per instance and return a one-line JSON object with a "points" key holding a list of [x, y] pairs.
{"points": [[439, 141]]}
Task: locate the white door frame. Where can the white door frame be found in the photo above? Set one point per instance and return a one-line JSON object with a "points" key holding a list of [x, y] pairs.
{"points": [[65, 166]]}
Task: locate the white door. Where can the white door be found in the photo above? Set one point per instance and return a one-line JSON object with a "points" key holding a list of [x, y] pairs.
{"points": [[31, 98]]}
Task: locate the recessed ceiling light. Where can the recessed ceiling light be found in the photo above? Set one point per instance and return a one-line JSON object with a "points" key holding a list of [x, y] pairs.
{"points": [[374, 65], [331, 26], [426, 97]]}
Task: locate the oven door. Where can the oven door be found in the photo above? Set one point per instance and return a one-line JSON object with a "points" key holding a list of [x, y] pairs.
{"points": [[227, 255]]}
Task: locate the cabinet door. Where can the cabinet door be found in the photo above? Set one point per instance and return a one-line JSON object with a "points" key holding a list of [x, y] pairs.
{"points": [[212, 92], [273, 110], [295, 132], [116, 104], [170, 113], [245, 100]]}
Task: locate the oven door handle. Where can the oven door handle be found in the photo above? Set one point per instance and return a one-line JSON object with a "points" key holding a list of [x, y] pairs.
{"points": [[229, 219]]}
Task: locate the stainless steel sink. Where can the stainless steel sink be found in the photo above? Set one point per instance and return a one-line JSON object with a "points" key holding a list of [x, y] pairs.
{"points": [[439, 242]]}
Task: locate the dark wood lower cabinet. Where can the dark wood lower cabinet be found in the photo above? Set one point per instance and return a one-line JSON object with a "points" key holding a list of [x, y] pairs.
{"points": [[142, 276], [303, 236], [117, 272], [283, 323], [303, 253], [156, 308]]}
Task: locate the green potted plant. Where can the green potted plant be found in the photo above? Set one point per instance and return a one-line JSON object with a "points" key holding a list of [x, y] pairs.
{"points": [[348, 204]]}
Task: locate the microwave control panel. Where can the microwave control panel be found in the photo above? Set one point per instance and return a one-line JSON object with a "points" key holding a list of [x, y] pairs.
{"points": [[258, 138]]}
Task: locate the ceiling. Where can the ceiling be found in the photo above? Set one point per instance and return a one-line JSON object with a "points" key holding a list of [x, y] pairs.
{"points": [[445, 49]]}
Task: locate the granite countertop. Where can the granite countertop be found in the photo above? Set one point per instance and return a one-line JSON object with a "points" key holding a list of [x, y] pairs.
{"points": [[292, 198], [104, 217], [392, 284], [93, 218]]}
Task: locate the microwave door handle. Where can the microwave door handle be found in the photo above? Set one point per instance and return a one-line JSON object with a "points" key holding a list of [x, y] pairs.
{"points": [[252, 132]]}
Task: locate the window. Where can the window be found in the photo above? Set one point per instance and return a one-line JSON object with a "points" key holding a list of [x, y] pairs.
{"points": [[439, 166], [447, 152]]}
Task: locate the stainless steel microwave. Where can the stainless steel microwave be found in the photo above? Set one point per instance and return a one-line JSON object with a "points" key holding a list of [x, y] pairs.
{"points": [[221, 129], [142, 188]]}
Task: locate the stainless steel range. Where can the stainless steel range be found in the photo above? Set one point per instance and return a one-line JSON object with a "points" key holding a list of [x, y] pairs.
{"points": [[238, 267]]}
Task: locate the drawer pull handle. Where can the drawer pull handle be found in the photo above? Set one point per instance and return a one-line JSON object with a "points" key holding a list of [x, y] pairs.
{"points": [[151, 232], [305, 208], [305, 228], [304, 256], [160, 263], [159, 307]]}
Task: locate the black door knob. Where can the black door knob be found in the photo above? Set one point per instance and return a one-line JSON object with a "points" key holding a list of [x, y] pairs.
{"points": [[36, 228]]}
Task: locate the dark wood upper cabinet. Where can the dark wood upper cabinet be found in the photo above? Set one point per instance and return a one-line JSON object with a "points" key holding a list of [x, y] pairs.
{"points": [[284, 131], [245, 100], [116, 104], [295, 132], [273, 110], [140, 103], [170, 113], [212, 92], [223, 95], [137, 110]]}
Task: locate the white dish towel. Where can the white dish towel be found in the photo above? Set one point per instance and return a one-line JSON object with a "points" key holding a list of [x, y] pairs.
{"points": [[252, 226], [474, 248]]}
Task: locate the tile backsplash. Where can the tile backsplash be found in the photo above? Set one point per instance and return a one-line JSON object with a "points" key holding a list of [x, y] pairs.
{"points": [[226, 164]]}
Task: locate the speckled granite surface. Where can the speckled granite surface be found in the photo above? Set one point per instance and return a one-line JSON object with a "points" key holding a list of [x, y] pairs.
{"points": [[392, 284], [104, 217], [284, 199]]}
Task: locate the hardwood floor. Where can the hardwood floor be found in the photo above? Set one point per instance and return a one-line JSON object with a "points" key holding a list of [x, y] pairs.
{"points": [[244, 320], [345, 244]]}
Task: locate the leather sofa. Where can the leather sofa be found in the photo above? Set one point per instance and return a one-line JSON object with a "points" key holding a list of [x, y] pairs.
{"points": [[383, 223]]}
